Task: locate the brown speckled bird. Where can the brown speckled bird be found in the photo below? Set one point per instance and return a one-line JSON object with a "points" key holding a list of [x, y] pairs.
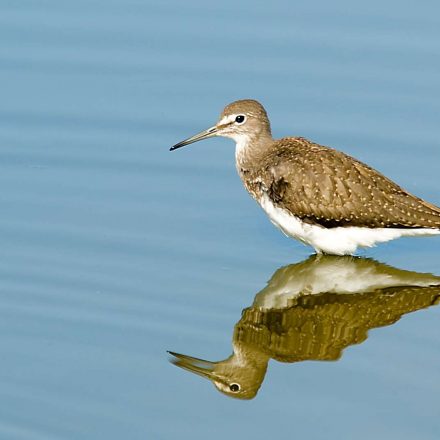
{"points": [[316, 194]]}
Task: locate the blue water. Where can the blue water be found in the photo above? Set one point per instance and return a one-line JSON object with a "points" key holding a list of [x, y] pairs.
{"points": [[114, 250]]}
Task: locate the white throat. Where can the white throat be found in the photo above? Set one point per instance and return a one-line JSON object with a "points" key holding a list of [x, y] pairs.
{"points": [[242, 142]]}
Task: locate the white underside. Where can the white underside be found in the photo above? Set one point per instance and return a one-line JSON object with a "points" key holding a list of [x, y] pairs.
{"points": [[341, 275], [335, 241]]}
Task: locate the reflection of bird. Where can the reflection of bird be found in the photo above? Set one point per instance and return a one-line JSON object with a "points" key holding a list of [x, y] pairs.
{"points": [[313, 310], [316, 194]]}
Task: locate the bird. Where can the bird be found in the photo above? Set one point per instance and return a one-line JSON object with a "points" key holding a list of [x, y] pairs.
{"points": [[317, 194]]}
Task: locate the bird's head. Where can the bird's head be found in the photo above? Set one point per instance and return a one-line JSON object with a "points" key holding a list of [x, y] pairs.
{"points": [[241, 121], [235, 376]]}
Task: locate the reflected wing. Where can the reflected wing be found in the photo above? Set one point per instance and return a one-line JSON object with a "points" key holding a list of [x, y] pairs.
{"points": [[320, 327]]}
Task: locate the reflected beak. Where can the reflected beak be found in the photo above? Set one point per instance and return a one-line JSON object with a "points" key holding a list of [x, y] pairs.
{"points": [[197, 137], [198, 366]]}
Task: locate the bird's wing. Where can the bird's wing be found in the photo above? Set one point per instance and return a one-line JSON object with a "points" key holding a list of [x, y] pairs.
{"points": [[320, 326], [324, 186]]}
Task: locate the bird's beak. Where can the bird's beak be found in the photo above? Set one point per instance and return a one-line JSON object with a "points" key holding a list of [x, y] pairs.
{"points": [[197, 137], [198, 366]]}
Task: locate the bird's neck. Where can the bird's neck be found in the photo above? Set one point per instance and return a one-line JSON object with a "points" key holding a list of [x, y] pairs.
{"points": [[250, 149]]}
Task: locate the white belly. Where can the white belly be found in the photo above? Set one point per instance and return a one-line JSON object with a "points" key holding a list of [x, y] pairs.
{"points": [[335, 241]]}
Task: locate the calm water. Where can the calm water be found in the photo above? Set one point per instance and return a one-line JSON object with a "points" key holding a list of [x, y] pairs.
{"points": [[114, 250]]}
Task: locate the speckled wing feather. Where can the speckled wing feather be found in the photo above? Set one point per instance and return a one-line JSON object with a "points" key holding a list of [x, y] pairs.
{"points": [[323, 186], [319, 327]]}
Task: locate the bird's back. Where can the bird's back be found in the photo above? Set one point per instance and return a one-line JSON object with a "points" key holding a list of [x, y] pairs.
{"points": [[323, 186]]}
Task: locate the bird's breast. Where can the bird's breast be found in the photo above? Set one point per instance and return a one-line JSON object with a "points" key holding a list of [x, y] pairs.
{"points": [[254, 184]]}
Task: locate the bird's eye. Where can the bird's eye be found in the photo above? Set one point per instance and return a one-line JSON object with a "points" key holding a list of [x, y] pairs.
{"points": [[234, 387], [240, 119]]}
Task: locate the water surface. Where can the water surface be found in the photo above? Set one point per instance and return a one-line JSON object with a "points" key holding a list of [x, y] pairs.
{"points": [[114, 250]]}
